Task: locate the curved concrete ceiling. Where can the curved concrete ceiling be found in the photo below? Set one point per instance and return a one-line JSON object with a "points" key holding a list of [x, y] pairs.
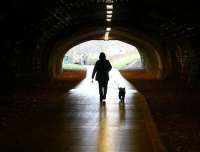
{"points": [[29, 30], [45, 20]]}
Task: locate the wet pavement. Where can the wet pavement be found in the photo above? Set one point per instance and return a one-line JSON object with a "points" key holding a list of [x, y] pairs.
{"points": [[75, 120]]}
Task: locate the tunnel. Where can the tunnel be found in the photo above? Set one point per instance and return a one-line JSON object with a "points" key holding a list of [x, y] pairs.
{"points": [[150, 55], [165, 38], [35, 36]]}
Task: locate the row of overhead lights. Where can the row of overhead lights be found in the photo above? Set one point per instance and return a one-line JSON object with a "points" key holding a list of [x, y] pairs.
{"points": [[109, 13]]}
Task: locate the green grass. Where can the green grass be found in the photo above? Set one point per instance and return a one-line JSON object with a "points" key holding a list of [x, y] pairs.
{"points": [[119, 63], [73, 67], [123, 61]]}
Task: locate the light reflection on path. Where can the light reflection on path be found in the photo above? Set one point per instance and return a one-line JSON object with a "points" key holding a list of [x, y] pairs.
{"points": [[77, 122], [105, 123], [87, 88], [112, 126]]}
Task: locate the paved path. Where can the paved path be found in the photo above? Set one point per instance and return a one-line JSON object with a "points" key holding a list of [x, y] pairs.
{"points": [[77, 122]]}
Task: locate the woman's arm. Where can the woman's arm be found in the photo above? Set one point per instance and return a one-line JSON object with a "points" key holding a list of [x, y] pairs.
{"points": [[94, 71]]}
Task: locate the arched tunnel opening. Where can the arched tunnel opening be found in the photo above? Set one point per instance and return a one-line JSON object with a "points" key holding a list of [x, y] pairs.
{"points": [[152, 66], [121, 55]]}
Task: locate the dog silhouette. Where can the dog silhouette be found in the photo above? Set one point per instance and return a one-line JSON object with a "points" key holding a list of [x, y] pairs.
{"points": [[122, 92]]}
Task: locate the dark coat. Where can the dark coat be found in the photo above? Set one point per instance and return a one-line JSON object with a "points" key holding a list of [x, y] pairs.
{"points": [[101, 69]]}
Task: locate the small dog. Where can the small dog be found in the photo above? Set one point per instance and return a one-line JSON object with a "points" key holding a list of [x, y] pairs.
{"points": [[122, 93]]}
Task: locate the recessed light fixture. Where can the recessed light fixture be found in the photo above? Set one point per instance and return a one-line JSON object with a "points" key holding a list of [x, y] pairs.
{"points": [[109, 7], [109, 12], [108, 29], [108, 19], [108, 16]]}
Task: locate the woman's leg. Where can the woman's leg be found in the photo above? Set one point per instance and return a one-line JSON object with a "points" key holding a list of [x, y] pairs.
{"points": [[101, 91], [105, 86]]}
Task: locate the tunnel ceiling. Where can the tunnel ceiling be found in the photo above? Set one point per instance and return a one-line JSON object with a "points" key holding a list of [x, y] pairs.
{"points": [[42, 20], [30, 29]]}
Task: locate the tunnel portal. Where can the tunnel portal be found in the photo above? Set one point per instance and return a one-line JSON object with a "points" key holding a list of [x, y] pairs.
{"points": [[121, 55]]}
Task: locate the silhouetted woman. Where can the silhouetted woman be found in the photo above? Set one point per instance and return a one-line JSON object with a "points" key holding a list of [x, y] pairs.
{"points": [[101, 69]]}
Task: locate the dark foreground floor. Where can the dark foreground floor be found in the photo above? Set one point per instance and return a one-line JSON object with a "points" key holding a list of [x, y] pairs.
{"points": [[67, 116], [175, 109]]}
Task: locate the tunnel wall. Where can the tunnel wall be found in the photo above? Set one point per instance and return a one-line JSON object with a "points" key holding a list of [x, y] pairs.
{"points": [[188, 62]]}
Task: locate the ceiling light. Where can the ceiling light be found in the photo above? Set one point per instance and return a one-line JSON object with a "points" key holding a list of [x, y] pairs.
{"points": [[108, 19], [109, 7], [109, 12], [108, 29], [108, 16]]}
